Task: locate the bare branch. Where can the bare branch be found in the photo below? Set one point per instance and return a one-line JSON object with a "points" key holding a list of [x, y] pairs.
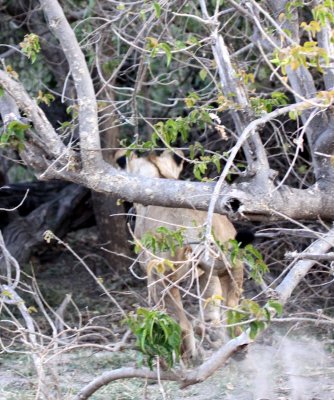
{"points": [[41, 124], [325, 41], [302, 267], [310, 256], [8, 109], [123, 373], [19, 205], [88, 120], [185, 379]]}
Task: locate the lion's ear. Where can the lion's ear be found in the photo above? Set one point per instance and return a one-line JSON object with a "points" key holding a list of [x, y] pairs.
{"points": [[126, 162], [120, 159], [169, 164]]}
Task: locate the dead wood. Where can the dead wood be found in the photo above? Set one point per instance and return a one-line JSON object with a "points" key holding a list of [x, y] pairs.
{"points": [[67, 210]]}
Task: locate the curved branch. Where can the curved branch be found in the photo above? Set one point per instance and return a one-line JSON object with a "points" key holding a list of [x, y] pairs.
{"points": [[8, 109], [250, 129], [302, 267], [185, 378], [88, 118], [251, 199], [123, 373], [41, 124], [239, 200]]}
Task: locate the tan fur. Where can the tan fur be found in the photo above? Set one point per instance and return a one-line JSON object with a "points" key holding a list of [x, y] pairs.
{"points": [[216, 280]]}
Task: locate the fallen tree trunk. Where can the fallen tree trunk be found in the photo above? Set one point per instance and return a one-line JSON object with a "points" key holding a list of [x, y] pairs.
{"points": [[67, 210]]}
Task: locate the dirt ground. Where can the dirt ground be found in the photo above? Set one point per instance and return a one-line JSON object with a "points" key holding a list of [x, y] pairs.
{"points": [[287, 369], [286, 363]]}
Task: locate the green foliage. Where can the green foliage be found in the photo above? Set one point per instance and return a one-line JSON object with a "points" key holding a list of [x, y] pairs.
{"points": [[313, 27], [6, 293], [45, 98], [200, 169], [10, 71], [31, 46], [109, 66], [179, 128], [203, 74], [255, 261], [291, 5], [166, 48], [14, 134], [261, 105], [250, 310], [157, 335], [246, 77], [201, 166], [164, 239], [250, 255], [172, 130], [324, 12], [120, 7], [154, 45], [191, 99], [2, 92], [73, 110], [157, 9], [276, 306], [194, 148], [235, 170], [307, 55], [257, 316]]}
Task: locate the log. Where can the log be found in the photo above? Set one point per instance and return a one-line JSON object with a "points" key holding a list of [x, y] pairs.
{"points": [[65, 210]]}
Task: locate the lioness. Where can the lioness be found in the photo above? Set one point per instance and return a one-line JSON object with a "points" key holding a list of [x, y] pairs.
{"points": [[215, 280]]}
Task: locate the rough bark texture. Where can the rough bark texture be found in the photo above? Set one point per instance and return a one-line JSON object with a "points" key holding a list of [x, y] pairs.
{"points": [[58, 214]]}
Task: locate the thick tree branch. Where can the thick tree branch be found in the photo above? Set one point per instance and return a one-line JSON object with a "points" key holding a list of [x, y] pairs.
{"points": [[8, 109], [310, 256], [88, 118], [302, 267], [249, 199], [41, 124], [246, 199], [324, 38], [185, 378], [123, 373]]}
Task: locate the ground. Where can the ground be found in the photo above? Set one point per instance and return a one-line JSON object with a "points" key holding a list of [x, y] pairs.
{"points": [[287, 363]]}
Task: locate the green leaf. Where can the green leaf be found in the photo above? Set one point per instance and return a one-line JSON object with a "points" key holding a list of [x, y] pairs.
{"points": [[6, 293], [157, 334], [293, 115], [278, 307], [253, 330], [142, 15], [203, 74], [179, 45], [157, 9], [267, 314], [17, 128], [45, 98], [31, 46], [166, 48], [216, 160]]}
